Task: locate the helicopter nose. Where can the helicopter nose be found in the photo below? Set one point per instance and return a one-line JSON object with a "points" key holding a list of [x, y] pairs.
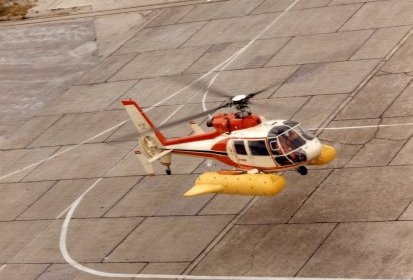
{"points": [[328, 154], [312, 149]]}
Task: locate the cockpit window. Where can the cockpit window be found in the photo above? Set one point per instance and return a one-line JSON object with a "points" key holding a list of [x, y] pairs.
{"points": [[290, 141], [285, 142], [287, 155], [277, 130], [258, 148], [274, 144], [275, 148], [240, 147]]}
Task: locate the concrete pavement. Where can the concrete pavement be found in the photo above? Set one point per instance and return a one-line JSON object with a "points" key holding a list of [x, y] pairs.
{"points": [[337, 63]]}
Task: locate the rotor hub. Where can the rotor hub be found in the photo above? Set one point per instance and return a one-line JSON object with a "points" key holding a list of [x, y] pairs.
{"points": [[149, 145], [239, 98]]}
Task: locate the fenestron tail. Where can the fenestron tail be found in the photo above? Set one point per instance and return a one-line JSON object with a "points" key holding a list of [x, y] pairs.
{"points": [[141, 121], [151, 140]]}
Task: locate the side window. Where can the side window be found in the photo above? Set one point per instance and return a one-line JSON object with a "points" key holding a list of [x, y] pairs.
{"points": [[240, 147], [282, 160], [274, 147], [258, 148]]}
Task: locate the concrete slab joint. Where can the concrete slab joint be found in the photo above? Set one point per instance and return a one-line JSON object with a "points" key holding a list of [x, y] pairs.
{"points": [[341, 67]]}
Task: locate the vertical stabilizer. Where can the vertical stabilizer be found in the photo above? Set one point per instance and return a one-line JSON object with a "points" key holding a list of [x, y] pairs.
{"points": [[151, 141]]}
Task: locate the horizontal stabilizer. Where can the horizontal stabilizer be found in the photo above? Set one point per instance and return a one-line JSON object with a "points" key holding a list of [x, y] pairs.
{"points": [[158, 156], [203, 189]]}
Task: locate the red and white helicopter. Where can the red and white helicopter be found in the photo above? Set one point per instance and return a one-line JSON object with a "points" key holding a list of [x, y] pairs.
{"points": [[254, 147]]}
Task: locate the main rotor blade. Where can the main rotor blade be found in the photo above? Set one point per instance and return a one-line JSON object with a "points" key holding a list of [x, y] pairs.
{"points": [[188, 118], [214, 90], [221, 93], [203, 86], [253, 94], [181, 120]]}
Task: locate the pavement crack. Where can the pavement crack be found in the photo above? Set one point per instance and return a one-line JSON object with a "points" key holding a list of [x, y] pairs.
{"points": [[377, 128], [253, 250], [316, 250], [252, 258]]}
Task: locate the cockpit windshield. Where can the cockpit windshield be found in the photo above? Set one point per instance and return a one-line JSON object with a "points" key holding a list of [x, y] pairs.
{"points": [[290, 141], [285, 142]]}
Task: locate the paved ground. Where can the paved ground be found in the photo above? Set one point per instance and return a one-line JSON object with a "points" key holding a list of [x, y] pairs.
{"points": [[335, 62]]}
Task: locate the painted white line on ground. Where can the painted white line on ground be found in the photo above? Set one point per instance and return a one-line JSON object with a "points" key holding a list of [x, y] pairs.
{"points": [[75, 264], [204, 97], [364, 82], [363, 126], [2, 267]]}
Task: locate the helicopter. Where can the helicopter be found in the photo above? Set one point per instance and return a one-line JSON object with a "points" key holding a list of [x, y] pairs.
{"points": [[255, 148]]}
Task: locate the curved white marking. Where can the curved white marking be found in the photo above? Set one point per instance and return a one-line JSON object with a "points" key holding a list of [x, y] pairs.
{"points": [[204, 97], [75, 264]]}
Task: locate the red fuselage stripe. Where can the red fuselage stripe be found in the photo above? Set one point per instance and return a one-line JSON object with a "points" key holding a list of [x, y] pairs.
{"points": [[225, 159]]}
